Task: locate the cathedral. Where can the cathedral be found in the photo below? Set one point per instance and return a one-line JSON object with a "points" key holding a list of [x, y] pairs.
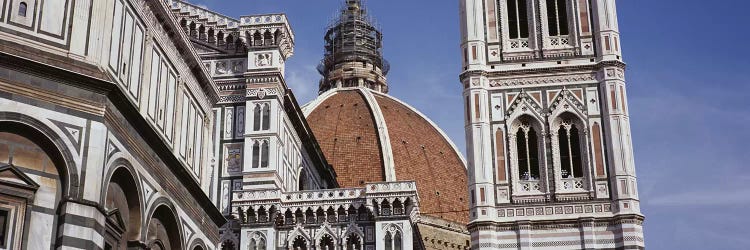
{"points": [[160, 124]]}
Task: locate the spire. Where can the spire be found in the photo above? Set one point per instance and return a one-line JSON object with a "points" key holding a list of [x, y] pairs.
{"points": [[353, 52]]}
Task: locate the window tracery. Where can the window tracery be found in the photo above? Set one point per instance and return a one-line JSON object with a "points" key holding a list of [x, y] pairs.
{"points": [[260, 153], [353, 242], [569, 147], [570, 150], [262, 117], [557, 18], [327, 243], [527, 156], [299, 243], [518, 23], [528, 152]]}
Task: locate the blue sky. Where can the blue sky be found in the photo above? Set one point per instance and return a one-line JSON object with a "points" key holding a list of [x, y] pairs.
{"points": [[687, 77]]}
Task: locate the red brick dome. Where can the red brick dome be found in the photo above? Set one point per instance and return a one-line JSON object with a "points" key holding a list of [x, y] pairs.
{"points": [[372, 137]]}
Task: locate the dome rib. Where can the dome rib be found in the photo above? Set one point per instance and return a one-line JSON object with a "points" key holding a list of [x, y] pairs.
{"points": [[344, 123], [402, 143]]}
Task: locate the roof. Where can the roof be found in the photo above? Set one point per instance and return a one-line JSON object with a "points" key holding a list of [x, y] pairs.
{"points": [[372, 137]]}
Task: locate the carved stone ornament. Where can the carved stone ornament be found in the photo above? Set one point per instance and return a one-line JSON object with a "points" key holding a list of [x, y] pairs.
{"points": [[261, 94], [263, 60]]}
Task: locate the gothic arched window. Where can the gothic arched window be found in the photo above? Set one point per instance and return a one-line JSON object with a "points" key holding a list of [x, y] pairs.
{"points": [[266, 117], [256, 154], [22, 7], [570, 151], [397, 241], [353, 243], [528, 153], [518, 21], [256, 117], [302, 180], [557, 17], [326, 243], [388, 241], [257, 39], [261, 244], [299, 243], [264, 154]]}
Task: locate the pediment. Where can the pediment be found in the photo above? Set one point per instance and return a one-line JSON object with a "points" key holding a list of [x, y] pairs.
{"points": [[12, 176], [115, 221]]}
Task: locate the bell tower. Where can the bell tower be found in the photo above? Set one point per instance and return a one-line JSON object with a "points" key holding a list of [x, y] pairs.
{"points": [[353, 52], [547, 126]]}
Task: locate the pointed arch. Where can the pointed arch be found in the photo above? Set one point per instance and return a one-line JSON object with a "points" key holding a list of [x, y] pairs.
{"points": [[257, 114], [257, 38], [298, 237], [256, 154], [326, 238], [570, 140], [527, 151], [202, 33], [193, 30], [277, 37], [211, 35], [264, 154], [266, 116]]}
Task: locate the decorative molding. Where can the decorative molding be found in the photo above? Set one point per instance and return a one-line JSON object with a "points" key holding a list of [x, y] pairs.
{"points": [[544, 80]]}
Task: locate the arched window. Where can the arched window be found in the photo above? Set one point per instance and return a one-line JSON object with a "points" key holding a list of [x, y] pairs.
{"points": [[326, 243], [302, 180], [257, 39], [261, 244], [253, 245], [388, 241], [220, 38], [353, 242], [518, 21], [264, 155], [211, 36], [256, 117], [262, 215], [299, 243], [398, 208], [557, 17], [397, 241], [266, 116], [256, 154], [267, 38], [202, 33], [277, 37], [193, 30], [528, 153], [22, 7], [250, 215], [570, 151]]}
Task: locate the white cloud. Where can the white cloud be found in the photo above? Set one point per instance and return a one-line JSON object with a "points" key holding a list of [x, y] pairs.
{"points": [[303, 80]]}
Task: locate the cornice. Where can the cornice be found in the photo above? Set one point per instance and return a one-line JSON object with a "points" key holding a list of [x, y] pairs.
{"points": [[128, 109], [185, 48], [546, 70]]}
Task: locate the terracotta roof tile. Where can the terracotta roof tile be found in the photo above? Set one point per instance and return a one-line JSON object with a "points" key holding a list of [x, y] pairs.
{"points": [[345, 129]]}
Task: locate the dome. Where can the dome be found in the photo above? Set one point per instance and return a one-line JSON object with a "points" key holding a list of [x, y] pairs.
{"points": [[369, 136]]}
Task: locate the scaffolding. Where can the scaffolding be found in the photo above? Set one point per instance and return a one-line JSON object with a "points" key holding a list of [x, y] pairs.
{"points": [[353, 37]]}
